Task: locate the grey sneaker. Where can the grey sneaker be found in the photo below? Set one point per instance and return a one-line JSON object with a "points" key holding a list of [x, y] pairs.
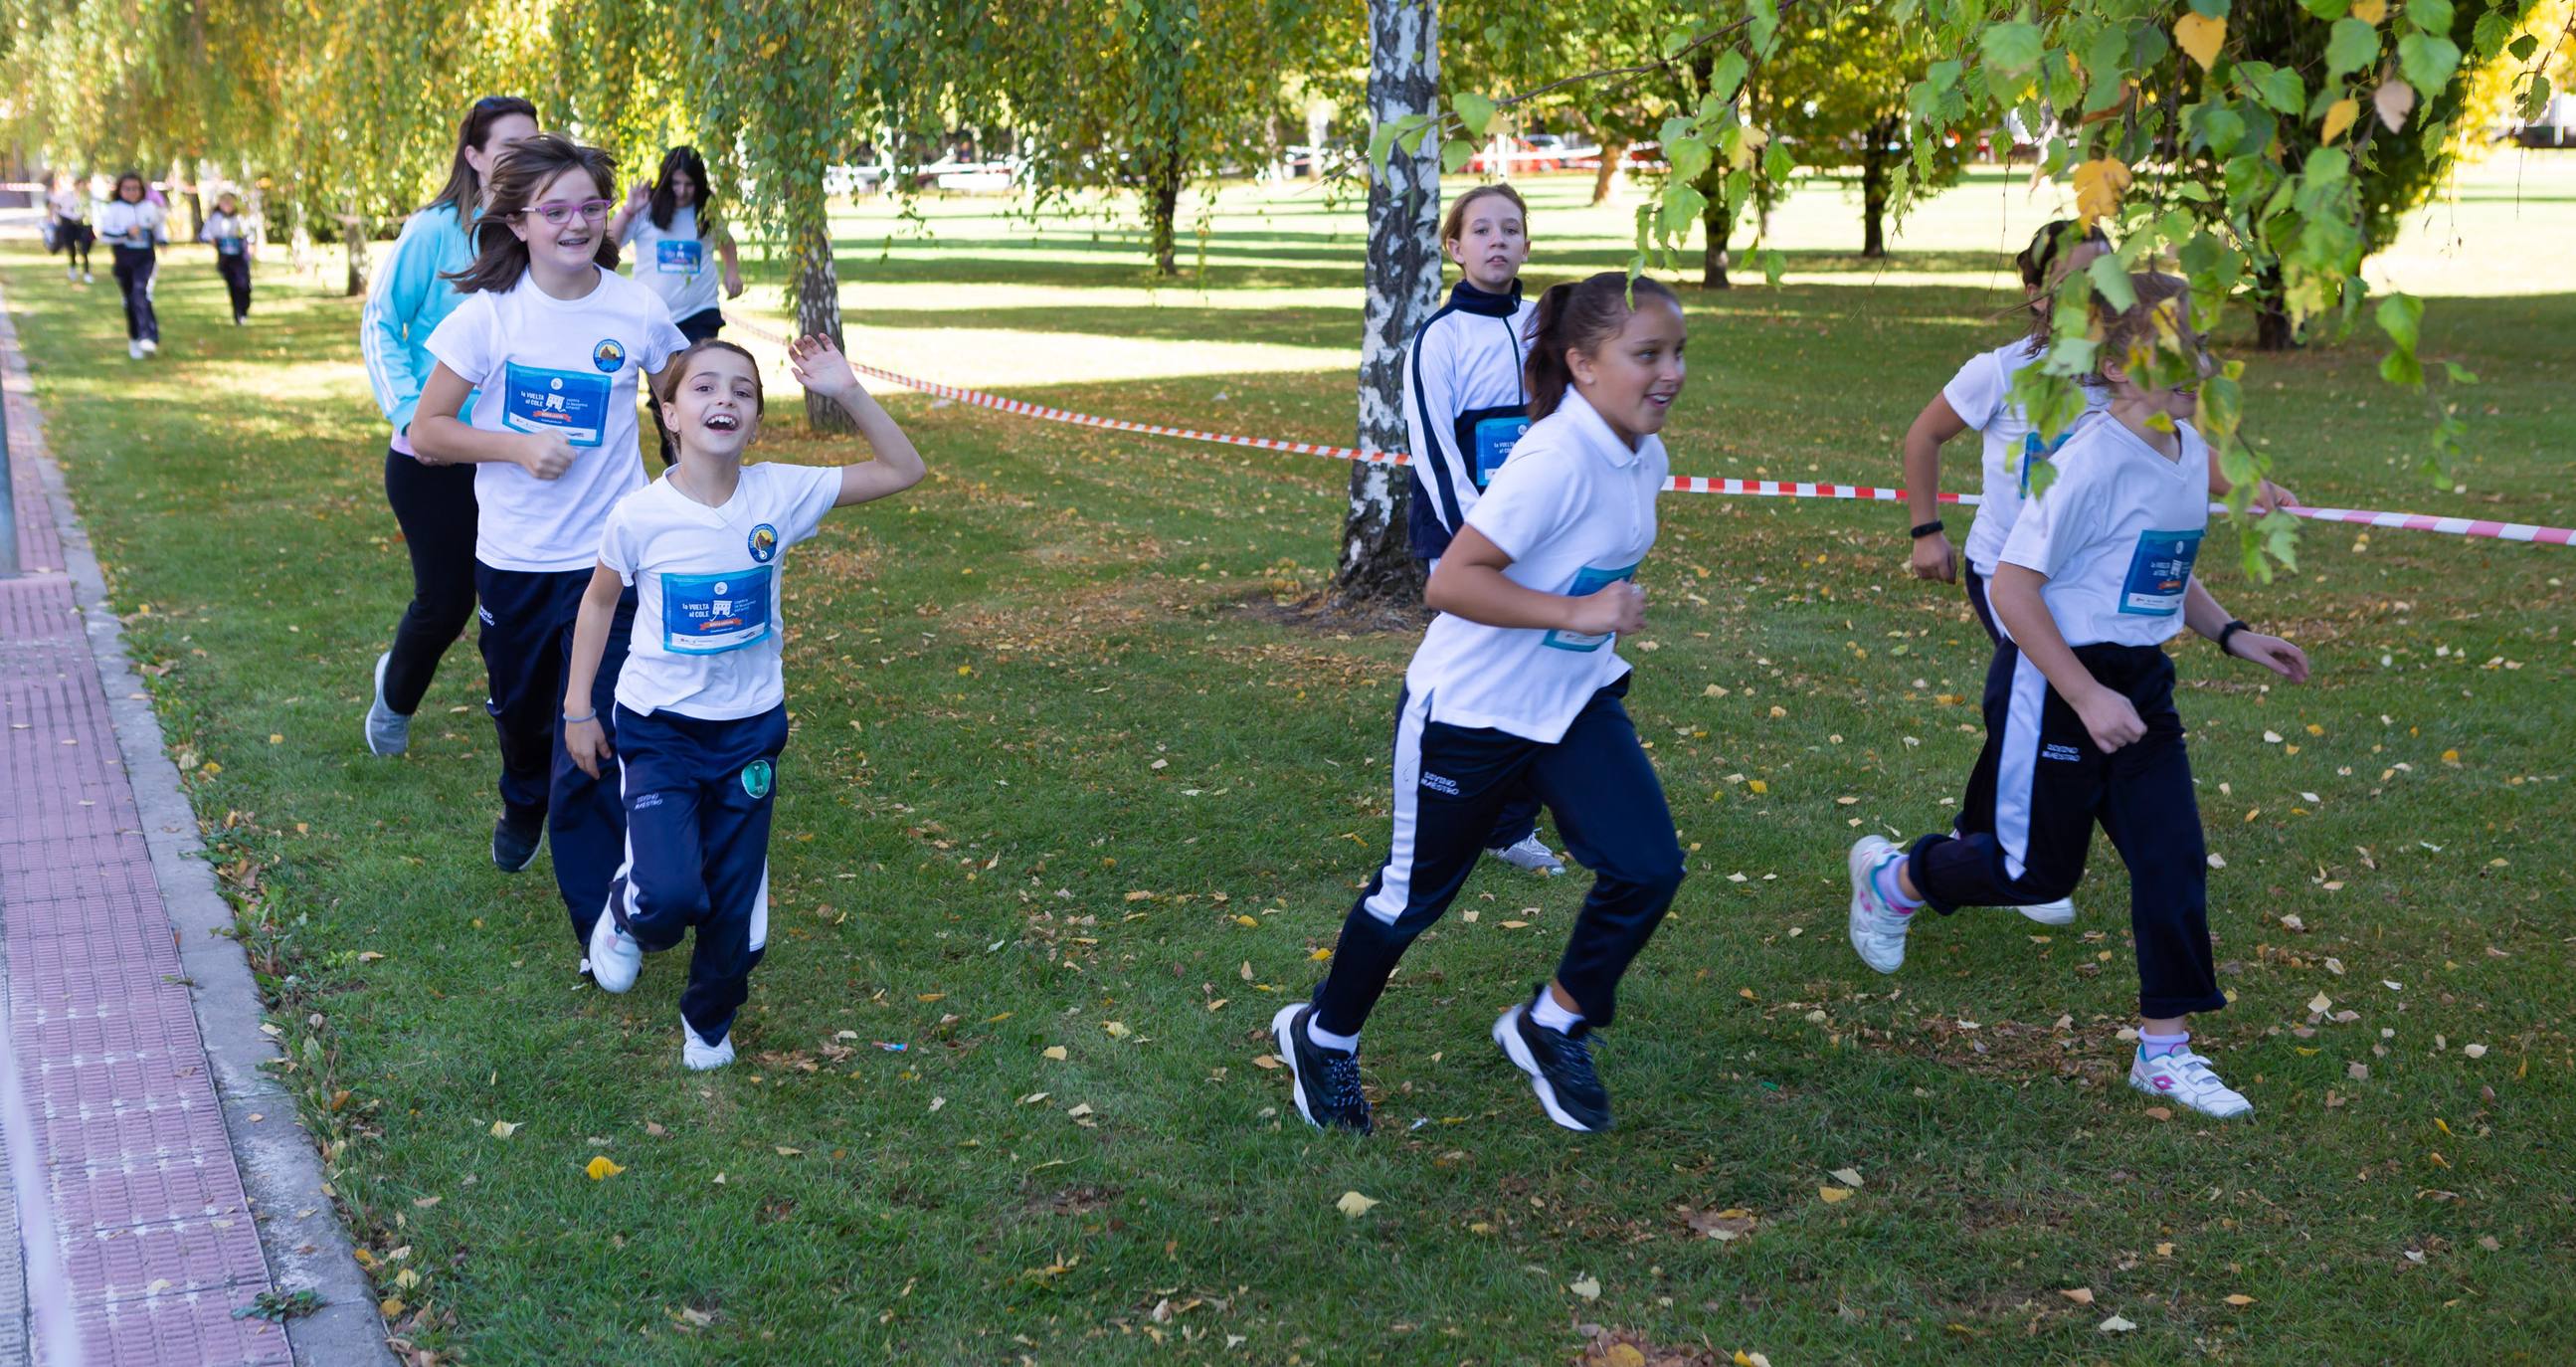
{"points": [[388, 731], [1532, 854]]}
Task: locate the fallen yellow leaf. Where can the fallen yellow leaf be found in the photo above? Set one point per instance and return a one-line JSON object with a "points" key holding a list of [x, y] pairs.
{"points": [[1832, 1195], [600, 1169], [1354, 1205]]}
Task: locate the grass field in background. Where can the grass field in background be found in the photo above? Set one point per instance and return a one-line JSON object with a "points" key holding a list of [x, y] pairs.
{"points": [[1065, 777]]}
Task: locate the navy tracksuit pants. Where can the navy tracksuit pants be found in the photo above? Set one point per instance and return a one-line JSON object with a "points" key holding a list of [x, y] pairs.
{"points": [[1449, 782], [527, 640], [698, 801], [2039, 787]]}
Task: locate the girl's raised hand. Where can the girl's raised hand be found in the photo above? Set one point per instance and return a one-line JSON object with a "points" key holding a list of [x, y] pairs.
{"points": [[638, 195], [820, 367]]}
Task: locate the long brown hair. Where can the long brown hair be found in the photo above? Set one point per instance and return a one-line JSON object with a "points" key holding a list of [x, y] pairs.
{"points": [[501, 256], [1582, 316], [463, 192]]}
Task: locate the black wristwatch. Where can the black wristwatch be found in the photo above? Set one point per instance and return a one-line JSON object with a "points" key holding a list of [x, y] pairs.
{"points": [[1927, 529], [2233, 626]]}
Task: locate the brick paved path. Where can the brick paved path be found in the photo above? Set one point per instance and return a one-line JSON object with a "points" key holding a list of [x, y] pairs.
{"points": [[140, 1196]]}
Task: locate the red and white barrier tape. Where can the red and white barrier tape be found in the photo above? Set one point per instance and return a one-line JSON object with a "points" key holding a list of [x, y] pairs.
{"points": [[1679, 484]]}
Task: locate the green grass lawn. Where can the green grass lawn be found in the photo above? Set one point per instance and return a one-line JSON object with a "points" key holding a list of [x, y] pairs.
{"points": [[1071, 808]]}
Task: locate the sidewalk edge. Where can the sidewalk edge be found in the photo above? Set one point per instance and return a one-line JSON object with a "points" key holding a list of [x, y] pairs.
{"points": [[280, 1168]]}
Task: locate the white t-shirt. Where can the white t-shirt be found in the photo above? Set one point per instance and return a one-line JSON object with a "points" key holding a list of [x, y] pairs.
{"points": [[707, 630], [72, 204], [676, 264], [140, 224], [1981, 394], [538, 363], [1575, 510], [2117, 535], [229, 232]]}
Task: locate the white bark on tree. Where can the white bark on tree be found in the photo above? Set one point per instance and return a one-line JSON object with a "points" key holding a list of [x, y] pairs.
{"points": [[1403, 279]]}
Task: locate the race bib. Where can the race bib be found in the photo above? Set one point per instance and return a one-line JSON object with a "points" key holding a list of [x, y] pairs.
{"points": [[708, 614], [1495, 438], [1587, 583], [229, 246], [2159, 571], [678, 255], [562, 401]]}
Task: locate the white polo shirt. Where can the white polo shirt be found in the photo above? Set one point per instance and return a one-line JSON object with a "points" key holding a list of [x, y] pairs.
{"points": [[1575, 510], [1981, 394], [707, 632], [2117, 535], [538, 363]]}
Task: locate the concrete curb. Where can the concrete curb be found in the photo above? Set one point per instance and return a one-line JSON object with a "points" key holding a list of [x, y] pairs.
{"points": [[280, 1169]]}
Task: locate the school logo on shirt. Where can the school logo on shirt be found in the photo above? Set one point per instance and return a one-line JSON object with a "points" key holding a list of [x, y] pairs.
{"points": [[608, 355], [764, 543], [755, 778]]}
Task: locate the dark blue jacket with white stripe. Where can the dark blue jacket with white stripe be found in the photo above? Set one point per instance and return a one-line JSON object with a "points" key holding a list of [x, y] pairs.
{"points": [[1464, 405]]}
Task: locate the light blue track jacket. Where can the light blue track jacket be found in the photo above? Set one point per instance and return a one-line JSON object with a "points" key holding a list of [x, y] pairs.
{"points": [[406, 304]]}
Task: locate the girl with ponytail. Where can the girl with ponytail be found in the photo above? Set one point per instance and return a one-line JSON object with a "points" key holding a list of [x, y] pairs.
{"points": [[1516, 687]]}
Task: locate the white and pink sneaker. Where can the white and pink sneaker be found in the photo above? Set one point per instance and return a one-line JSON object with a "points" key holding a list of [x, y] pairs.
{"points": [[1877, 929], [2185, 1078]]}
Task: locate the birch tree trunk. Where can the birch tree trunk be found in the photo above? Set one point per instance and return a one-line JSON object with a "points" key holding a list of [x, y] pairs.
{"points": [[1377, 567], [816, 289]]}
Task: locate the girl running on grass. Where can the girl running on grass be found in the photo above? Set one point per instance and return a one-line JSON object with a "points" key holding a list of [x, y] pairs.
{"points": [[72, 232], [701, 709], [1465, 405], [2080, 721], [551, 343], [672, 221], [433, 501], [135, 229], [1517, 685], [1980, 397], [230, 234]]}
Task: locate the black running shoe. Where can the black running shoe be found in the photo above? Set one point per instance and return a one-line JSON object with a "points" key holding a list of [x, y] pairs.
{"points": [[1559, 1067], [515, 841], [1326, 1081]]}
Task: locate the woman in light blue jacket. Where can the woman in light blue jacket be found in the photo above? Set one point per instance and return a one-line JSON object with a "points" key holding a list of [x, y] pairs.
{"points": [[433, 502]]}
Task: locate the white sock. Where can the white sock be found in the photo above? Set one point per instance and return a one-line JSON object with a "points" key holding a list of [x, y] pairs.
{"points": [[1548, 1015], [1348, 1044]]}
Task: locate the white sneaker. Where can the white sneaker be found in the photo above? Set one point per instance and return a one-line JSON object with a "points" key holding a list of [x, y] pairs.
{"points": [[71, 275], [615, 958], [1532, 854], [700, 1057], [134, 351], [88, 279], [150, 346], [2058, 913], [1877, 929], [2185, 1077]]}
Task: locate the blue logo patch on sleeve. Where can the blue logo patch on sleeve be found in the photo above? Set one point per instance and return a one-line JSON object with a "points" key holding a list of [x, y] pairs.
{"points": [[608, 355], [764, 543]]}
